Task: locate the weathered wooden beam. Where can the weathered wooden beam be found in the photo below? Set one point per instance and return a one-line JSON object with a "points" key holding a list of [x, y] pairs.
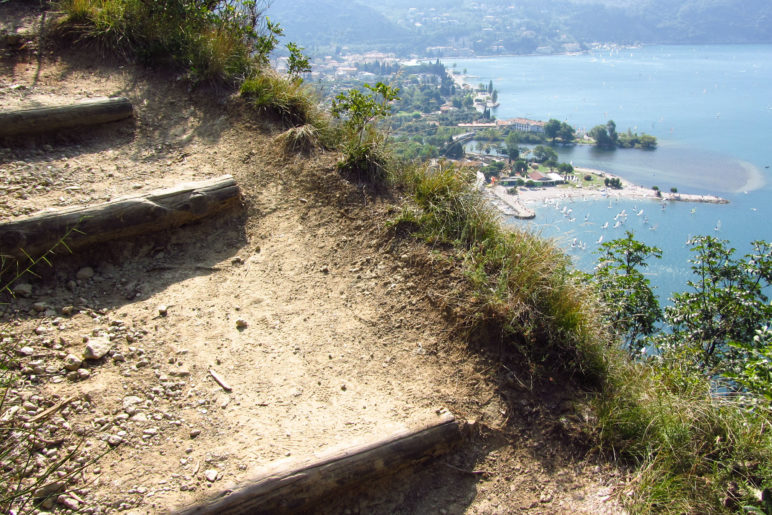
{"points": [[39, 120], [120, 218], [292, 486]]}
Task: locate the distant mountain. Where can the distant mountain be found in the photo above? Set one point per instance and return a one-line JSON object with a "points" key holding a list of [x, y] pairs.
{"points": [[667, 21], [328, 23], [442, 27]]}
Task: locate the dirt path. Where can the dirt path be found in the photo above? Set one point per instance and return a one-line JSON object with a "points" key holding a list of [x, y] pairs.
{"points": [[327, 329]]}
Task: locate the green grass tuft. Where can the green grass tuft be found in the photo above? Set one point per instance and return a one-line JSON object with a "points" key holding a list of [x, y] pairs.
{"points": [[291, 102], [302, 139], [366, 156]]}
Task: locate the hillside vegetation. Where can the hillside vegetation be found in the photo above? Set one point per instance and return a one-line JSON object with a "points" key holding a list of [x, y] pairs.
{"points": [[515, 296]]}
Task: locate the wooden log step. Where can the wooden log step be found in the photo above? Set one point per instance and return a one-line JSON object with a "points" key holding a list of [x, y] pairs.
{"points": [[289, 486], [120, 218], [39, 120]]}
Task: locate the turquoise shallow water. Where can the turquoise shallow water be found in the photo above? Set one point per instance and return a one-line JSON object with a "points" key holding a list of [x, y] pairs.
{"points": [[710, 108]]}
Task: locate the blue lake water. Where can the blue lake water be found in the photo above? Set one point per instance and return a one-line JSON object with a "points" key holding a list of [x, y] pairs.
{"points": [[710, 108]]}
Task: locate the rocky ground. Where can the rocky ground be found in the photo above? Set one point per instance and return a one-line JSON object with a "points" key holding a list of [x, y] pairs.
{"points": [[327, 328]]}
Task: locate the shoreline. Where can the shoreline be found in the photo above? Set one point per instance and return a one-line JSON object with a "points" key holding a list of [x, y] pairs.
{"points": [[519, 203]]}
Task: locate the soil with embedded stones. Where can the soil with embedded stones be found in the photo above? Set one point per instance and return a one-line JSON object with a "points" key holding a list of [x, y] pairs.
{"points": [[328, 329]]}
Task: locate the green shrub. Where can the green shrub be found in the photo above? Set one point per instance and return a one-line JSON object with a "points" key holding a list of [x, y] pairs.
{"points": [[364, 146], [366, 156]]}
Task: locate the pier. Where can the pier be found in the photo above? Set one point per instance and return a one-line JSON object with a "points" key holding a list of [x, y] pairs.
{"points": [[508, 204]]}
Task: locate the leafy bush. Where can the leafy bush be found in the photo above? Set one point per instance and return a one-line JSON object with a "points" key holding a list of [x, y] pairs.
{"points": [[364, 146], [297, 63], [726, 304], [632, 308], [692, 417]]}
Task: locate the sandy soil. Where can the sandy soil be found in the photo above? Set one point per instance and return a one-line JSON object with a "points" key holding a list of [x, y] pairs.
{"points": [[329, 330]]}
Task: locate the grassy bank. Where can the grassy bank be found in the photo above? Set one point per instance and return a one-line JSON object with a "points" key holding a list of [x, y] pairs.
{"points": [[690, 449], [525, 292]]}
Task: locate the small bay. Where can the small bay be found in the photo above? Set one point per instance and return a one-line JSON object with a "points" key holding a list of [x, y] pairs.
{"points": [[710, 108]]}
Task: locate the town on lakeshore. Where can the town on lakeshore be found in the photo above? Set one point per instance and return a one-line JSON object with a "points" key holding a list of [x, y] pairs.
{"points": [[443, 115]]}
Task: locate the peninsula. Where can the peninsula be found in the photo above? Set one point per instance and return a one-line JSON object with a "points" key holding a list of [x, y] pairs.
{"points": [[517, 204]]}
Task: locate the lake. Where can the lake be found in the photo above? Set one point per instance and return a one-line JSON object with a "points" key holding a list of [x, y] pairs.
{"points": [[710, 108]]}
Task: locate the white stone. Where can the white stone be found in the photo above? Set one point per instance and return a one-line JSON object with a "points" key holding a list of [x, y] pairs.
{"points": [[131, 400], [26, 351], [139, 417], [96, 348], [210, 475]]}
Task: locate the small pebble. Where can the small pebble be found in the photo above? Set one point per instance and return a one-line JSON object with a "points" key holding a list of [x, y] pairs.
{"points": [[68, 502], [85, 273], [23, 289], [72, 362], [26, 351]]}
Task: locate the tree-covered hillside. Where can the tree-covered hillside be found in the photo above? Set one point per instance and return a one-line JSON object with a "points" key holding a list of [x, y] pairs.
{"points": [[326, 24], [463, 27]]}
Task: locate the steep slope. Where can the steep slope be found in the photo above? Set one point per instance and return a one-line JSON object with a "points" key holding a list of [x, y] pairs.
{"points": [[328, 327]]}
